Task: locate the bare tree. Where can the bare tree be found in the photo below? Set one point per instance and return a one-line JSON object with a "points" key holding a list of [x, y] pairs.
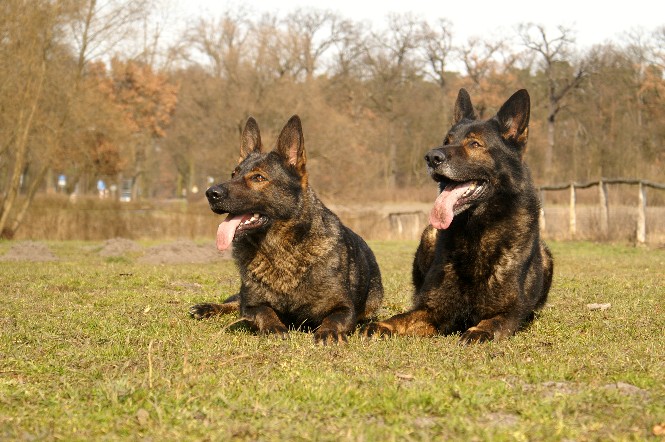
{"points": [[99, 27], [658, 48], [484, 65], [644, 52], [638, 46], [54, 112], [156, 21], [94, 29], [312, 32], [350, 46], [562, 76], [28, 37], [218, 43], [393, 62], [437, 47], [391, 57], [274, 55]]}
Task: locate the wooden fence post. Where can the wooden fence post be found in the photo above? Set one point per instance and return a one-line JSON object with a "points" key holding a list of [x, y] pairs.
{"points": [[642, 214], [572, 219], [641, 227], [604, 209]]}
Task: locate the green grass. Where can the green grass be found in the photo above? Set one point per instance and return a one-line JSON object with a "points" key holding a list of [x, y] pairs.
{"points": [[102, 349]]}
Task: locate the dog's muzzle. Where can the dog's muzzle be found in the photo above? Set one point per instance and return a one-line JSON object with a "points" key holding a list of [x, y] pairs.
{"points": [[215, 194], [435, 157]]}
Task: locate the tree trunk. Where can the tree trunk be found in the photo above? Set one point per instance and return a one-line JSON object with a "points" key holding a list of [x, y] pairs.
{"points": [[25, 125], [392, 158], [549, 149], [36, 182]]}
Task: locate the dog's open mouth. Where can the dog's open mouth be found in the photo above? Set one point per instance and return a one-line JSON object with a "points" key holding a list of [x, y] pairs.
{"points": [[235, 226], [454, 199]]}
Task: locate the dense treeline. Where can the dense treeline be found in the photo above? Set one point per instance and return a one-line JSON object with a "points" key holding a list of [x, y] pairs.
{"points": [[91, 90]]}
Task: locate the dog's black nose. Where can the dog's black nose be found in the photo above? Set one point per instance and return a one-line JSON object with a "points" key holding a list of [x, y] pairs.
{"points": [[215, 193], [435, 157]]}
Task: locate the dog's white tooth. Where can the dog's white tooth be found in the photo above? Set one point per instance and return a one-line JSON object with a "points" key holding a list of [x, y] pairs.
{"points": [[257, 216]]}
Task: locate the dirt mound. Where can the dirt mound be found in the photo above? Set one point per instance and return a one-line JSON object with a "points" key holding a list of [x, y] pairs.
{"points": [[29, 251], [183, 251], [118, 247]]}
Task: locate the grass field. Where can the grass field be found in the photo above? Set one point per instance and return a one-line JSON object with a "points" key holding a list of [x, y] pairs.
{"points": [[95, 348]]}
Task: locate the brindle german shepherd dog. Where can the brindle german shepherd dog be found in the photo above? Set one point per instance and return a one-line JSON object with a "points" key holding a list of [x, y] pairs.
{"points": [[481, 268], [299, 265]]}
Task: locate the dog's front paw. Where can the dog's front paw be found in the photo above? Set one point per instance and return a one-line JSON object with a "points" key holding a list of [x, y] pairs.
{"points": [[325, 336], [475, 335], [377, 330], [279, 330], [203, 310]]}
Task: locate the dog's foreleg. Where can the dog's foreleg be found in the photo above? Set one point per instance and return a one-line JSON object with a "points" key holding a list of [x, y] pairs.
{"points": [[497, 327], [207, 309], [264, 319], [335, 327], [413, 323]]}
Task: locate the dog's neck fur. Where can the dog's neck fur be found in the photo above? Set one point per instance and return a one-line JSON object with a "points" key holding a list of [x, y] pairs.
{"points": [[282, 257]]}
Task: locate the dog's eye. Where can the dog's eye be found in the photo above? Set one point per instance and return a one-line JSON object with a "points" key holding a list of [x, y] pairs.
{"points": [[258, 178], [474, 144]]}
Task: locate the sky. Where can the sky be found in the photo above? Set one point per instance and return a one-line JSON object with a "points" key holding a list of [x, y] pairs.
{"points": [[592, 21]]}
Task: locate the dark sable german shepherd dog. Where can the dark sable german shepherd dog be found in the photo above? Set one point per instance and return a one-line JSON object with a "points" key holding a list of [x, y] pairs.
{"points": [[481, 268], [299, 266]]}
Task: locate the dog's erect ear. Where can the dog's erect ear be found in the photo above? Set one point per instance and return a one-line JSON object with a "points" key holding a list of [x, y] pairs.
{"points": [[463, 107], [250, 140], [513, 118], [291, 144]]}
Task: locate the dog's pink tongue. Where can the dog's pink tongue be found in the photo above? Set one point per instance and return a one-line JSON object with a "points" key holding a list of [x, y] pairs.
{"points": [[226, 231], [442, 213]]}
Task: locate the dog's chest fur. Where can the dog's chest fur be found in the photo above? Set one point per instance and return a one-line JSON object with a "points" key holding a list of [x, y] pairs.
{"points": [[282, 265], [287, 253]]}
